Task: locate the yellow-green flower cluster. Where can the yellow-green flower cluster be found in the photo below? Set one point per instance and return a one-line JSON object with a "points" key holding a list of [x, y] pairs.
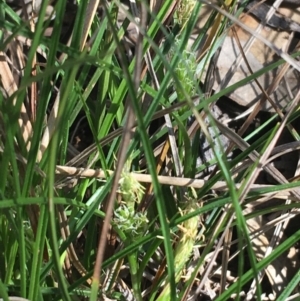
{"points": [[132, 223], [187, 238], [184, 10], [185, 72], [131, 190], [184, 247]]}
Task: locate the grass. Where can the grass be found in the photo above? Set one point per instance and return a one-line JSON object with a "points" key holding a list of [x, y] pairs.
{"points": [[100, 190]]}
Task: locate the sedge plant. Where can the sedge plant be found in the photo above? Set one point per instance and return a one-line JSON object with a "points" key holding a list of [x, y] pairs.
{"points": [[62, 109]]}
